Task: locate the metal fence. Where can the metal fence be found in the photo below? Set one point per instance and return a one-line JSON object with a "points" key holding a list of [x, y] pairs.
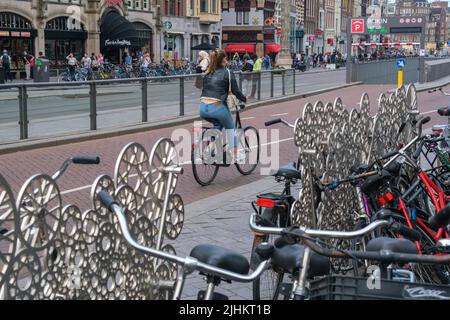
{"points": [[173, 91]]}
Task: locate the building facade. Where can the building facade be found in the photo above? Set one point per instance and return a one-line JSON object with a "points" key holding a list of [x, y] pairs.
{"points": [[254, 26], [164, 28]]}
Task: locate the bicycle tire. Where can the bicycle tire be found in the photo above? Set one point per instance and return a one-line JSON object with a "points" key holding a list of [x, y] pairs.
{"points": [[245, 144], [277, 277], [214, 169]]}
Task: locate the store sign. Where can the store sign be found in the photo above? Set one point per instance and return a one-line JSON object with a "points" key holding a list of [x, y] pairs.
{"points": [[4, 33], [167, 25], [382, 30], [122, 43]]}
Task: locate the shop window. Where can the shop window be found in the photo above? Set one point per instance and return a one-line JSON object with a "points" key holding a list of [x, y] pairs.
{"points": [[242, 8], [203, 5], [172, 7], [192, 8], [10, 20], [242, 17]]}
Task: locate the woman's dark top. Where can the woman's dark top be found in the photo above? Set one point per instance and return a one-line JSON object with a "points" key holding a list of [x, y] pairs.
{"points": [[215, 85]]}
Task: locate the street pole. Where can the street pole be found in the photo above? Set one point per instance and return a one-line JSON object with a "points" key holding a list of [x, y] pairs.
{"points": [[285, 59]]}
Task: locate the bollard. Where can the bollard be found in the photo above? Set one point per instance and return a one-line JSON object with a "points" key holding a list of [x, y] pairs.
{"points": [[293, 81], [283, 85], [271, 84], [23, 112], [93, 105], [181, 96], [144, 100], [259, 86]]}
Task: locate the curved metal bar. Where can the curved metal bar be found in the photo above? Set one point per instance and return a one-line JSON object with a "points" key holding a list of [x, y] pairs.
{"points": [[193, 264], [323, 234]]}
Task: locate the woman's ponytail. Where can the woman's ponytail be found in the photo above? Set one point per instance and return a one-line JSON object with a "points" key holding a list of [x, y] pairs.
{"points": [[216, 60], [212, 62]]}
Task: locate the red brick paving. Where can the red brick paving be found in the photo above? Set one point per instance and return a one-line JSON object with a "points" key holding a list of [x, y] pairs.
{"points": [[17, 167]]}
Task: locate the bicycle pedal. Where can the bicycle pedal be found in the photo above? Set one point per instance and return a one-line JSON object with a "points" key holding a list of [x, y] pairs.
{"points": [[216, 296]]}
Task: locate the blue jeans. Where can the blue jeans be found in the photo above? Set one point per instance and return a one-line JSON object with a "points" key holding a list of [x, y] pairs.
{"points": [[220, 117]]}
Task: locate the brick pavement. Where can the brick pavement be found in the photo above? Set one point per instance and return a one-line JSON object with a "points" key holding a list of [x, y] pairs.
{"points": [[17, 167], [222, 220]]}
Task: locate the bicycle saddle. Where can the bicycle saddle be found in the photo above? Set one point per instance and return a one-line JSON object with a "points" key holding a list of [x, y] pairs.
{"points": [[373, 183], [288, 171], [221, 258], [289, 258], [394, 245]]}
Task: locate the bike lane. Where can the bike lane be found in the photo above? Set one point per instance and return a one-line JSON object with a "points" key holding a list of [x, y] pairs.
{"points": [[75, 184]]}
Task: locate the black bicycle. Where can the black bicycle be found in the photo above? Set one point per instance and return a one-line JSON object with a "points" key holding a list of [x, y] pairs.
{"points": [[209, 153]]}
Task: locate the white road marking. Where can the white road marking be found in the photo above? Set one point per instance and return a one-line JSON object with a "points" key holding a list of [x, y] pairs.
{"points": [[248, 118], [428, 112], [279, 114], [183, 163]]}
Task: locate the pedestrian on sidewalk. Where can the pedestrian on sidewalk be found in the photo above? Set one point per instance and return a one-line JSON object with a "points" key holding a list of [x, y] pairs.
{"points": [[86, 62], [213, 102], [72, 64], [202, 66], [257, 66], [247, 68], [6, 64], [29, 61], [267, 62]]}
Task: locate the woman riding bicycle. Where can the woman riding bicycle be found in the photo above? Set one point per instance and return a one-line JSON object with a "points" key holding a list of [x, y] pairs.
{"points": [[213, 106]]}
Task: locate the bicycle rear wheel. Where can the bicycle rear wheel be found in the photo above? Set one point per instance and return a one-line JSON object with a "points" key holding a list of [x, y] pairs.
{"points": [[203, 166], [248, 144], [268, 285]]}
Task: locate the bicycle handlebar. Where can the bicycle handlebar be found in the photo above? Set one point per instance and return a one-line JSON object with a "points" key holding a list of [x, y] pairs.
{"points": [[272, 122], [382, 256], [86, 160], [75, 160]]}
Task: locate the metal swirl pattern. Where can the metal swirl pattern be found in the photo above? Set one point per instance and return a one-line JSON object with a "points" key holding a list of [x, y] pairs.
{"points": [[51, 251]]}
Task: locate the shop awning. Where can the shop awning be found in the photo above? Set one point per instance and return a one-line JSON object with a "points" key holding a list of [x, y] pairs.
{"points": [[240, 48], [272, 48], [204, 46], [118, 31]]}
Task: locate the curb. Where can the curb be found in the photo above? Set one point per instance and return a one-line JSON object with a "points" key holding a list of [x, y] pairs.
{"points": [[36, 143]]}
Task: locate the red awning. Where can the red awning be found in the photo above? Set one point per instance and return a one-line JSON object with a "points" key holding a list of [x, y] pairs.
{"points": [[272, 48], [240, 48]]}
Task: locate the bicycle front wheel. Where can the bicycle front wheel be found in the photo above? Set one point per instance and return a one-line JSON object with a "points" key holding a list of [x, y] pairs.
{"points": [[203, 167], [248, 146]]}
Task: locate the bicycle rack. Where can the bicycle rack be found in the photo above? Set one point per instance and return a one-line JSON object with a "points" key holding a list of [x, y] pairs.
{"points": [[340, 139], [51, 251]]}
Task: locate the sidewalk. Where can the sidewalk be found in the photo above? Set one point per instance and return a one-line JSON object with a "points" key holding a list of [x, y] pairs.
{"points": [[222, 220]]}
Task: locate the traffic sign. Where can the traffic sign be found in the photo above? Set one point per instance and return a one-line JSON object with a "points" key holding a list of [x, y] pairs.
{"points": [[401, 63], [358, 25]]}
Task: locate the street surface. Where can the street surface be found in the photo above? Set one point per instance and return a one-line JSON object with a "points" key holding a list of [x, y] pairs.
{"points": [[215, 214]]}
